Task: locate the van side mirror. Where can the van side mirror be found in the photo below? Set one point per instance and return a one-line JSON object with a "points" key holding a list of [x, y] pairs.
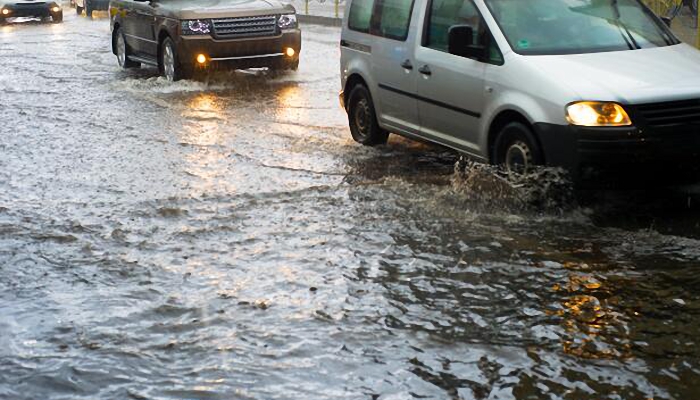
{"points": [[460, 43]]}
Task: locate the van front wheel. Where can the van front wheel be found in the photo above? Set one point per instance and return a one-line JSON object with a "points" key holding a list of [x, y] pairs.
{"points": [[516, 149], [363, 119]]}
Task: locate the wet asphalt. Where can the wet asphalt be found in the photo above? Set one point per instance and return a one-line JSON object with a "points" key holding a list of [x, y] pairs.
{"points": [[225, 238]]}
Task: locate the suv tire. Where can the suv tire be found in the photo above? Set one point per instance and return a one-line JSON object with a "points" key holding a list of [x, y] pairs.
{"points": [[170, 66], [516, 149], [363, 119], [122, 50]]}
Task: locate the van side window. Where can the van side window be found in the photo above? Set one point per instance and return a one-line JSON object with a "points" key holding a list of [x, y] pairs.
{"points": [[393, 18], [360, 16], [445, 14]]}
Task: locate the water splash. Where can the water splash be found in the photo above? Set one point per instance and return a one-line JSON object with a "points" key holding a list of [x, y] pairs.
{"points": [[544, 190]]}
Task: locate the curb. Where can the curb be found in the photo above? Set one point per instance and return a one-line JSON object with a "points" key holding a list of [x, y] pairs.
{"points": [[319, 20]]}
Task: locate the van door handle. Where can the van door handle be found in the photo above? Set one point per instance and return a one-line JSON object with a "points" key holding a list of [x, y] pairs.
{"points": [[407, 64], [425, 70]]}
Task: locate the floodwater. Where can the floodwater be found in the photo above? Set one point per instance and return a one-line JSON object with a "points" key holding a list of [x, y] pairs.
{"points": [[226, 239]]}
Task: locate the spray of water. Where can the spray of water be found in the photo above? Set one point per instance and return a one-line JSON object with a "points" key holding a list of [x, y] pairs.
{"points": [[541, 190]]}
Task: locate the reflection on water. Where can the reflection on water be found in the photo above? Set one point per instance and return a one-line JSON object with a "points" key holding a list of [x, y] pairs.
{"points": [[593, 328]]}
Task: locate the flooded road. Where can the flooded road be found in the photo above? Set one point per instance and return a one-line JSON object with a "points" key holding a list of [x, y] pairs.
{"points": [[226, 239]]}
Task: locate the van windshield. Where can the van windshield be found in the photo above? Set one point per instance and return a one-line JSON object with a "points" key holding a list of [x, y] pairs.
{"points": [[578, 26]]}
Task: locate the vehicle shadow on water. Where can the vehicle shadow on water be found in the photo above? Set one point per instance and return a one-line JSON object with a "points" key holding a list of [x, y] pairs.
{"points": [[672, 210], [21, 21]]}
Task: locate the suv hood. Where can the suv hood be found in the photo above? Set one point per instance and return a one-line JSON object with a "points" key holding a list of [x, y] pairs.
{"points": [[629, 77], [201, 9]]}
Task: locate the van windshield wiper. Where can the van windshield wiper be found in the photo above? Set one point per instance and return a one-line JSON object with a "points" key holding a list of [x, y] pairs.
{"points": [[623, 28]]}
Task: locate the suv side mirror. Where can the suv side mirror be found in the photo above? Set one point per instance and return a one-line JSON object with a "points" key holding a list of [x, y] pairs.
{"points": [[459, 43]]}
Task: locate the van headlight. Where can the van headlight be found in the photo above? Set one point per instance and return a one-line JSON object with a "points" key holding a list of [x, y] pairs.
{"points": [[597, 113], [287, 21], [196, 27]]}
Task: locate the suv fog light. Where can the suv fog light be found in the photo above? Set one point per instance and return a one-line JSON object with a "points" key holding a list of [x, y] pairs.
{"points": [[5, 11], [290, 52], [56, 9], [202, 59]]}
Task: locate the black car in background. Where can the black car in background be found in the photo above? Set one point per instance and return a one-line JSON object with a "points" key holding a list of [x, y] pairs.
{"points": [[30, 8]]}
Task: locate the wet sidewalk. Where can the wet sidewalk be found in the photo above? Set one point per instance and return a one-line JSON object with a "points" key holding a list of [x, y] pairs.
{"points": [[330, 12], [326, 12], [685, 27]]}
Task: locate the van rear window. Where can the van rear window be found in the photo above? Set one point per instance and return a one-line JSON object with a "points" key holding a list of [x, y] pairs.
{"points": [[360, 16]]}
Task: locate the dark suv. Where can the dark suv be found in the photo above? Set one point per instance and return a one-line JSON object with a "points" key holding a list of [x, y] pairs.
{"points": [[181, 36]]}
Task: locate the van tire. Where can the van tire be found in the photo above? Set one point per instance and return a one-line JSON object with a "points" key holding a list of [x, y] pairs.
{"points": [[516, 149], [363, 118]]}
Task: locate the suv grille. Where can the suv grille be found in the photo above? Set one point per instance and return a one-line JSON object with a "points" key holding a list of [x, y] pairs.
{"points": [[265, 25], [671, 113]]}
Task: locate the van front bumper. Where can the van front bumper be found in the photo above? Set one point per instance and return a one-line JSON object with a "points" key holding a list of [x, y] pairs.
{"points": [[668, 153], [241, 53]]}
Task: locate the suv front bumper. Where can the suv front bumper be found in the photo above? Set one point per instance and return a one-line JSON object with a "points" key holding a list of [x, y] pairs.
{"points": [[240, 53], [669, 154]]}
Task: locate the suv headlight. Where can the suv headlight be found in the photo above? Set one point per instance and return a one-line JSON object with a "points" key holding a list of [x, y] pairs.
{"points": [[196, 27], [287, 21], [597, 113]]}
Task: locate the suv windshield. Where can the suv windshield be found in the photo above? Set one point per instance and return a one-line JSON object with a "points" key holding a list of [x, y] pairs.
{"points": [[578, 26]]}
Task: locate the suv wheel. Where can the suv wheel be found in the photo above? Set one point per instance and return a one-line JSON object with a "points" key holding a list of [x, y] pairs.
{"points": [[170, 65], [123, 51], [516, 149], [363, 119]]}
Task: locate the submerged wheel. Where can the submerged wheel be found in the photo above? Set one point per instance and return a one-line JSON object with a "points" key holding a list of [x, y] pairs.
{"points": [[123, 51], [284, 65], [57, 18], [363, 119], [516, 149], [170, 65], [294, 65]]}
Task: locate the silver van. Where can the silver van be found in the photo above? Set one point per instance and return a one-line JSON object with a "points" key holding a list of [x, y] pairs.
{"points": [[580, 84]]}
